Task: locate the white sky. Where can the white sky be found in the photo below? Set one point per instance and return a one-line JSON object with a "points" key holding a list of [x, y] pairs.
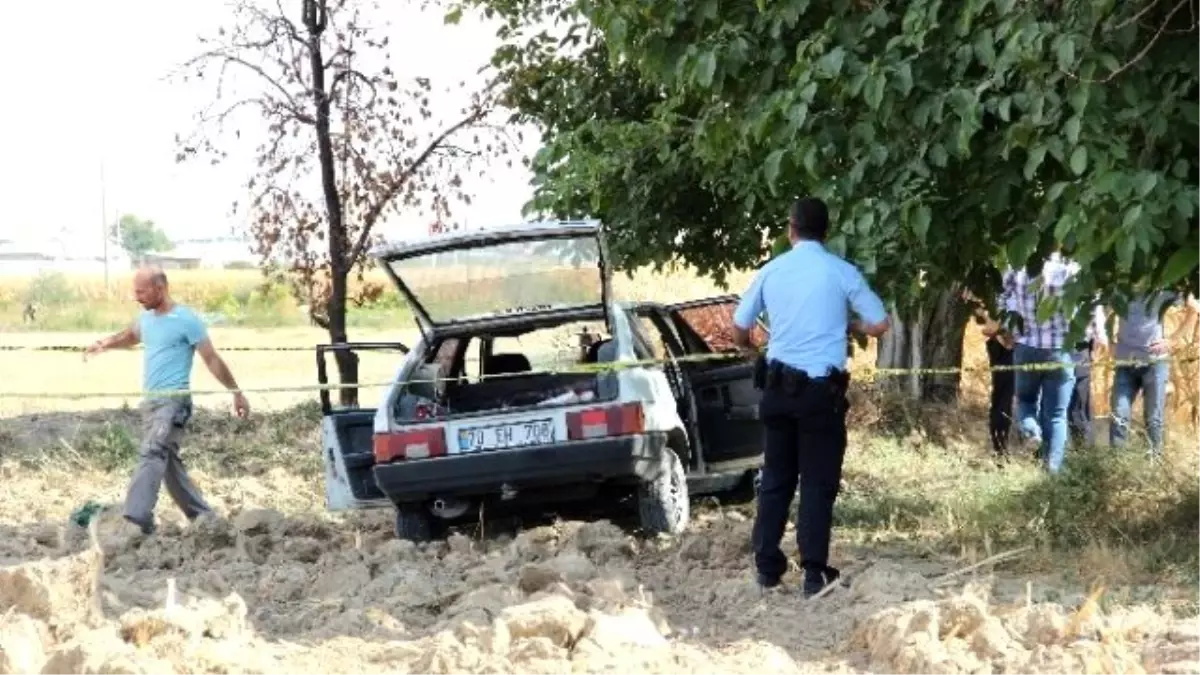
{"points": [[85, 85]]}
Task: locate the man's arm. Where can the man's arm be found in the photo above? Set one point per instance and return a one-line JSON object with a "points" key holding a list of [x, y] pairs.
{"points": [[215, 364], [122, 339], [197, 336], [747, 312], [873, 318]]}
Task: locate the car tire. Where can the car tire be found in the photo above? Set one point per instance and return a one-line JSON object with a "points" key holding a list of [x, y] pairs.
{"points": [[414, 524], [663, 506]]}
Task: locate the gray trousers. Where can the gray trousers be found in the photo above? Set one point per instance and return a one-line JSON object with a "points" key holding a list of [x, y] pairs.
{"points": [[163, 423]]}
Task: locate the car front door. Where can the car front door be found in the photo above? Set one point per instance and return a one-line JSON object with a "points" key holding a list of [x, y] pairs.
{"points": [[723, 388]]}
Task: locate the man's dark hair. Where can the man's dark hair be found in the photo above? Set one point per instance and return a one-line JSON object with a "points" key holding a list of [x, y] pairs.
{"points": [[810, 219]]}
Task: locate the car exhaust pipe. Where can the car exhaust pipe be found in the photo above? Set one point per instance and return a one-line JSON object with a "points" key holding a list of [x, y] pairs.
{"points": [[449, 507]]}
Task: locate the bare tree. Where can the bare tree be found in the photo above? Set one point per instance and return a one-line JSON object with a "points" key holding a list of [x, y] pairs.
{"points": [[346, 142]]}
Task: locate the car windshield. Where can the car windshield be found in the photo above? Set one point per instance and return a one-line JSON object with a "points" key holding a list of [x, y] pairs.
{"points": [[511, 277]]}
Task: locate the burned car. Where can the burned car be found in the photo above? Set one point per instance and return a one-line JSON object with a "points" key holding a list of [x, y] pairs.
{"points": [[531, 383]]}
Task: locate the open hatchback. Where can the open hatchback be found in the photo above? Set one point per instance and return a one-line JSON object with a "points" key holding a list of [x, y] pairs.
{"points": [[532, 384], [533, 268]]}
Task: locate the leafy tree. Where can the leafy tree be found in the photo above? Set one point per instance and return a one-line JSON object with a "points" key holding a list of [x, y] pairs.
{"points": [[347, 142], [139, 237], [949, 138]]}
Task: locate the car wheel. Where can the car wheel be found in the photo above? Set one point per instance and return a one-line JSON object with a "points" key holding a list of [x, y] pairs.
{"points": [[414, 523], [663, 502]]}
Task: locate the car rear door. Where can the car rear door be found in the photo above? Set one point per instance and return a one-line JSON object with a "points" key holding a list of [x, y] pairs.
{"points": [[726, 400], [347, 438]]}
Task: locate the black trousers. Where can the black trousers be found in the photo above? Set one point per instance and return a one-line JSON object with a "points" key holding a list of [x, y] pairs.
{"points": [[1079, 410], [805, 444], [1004, 388]]}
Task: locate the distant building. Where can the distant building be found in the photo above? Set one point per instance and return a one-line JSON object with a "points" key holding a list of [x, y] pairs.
{"points": [[61, 254], [168, 261], [214, 253]]}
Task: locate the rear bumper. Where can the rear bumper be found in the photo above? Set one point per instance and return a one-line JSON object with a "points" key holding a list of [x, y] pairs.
{"points": [[637, 457]]}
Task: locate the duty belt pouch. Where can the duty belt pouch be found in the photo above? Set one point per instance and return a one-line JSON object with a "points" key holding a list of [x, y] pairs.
{"points": [[760, 372], [794, 381], [772, 377], [839, 384]]}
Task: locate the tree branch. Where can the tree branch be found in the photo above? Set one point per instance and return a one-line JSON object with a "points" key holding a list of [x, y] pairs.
{"points": [[1145, 50], [228, 59], [351, 74], [400, 181]]}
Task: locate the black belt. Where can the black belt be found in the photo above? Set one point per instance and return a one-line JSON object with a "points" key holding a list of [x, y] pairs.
{"points": [[771, 375]]}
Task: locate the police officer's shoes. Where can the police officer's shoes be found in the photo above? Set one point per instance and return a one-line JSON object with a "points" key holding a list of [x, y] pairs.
{"points": [[766, 583], [816, 578]]}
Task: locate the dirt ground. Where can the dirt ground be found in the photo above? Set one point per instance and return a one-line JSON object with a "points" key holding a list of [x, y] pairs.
{"points": [[262, 590]]}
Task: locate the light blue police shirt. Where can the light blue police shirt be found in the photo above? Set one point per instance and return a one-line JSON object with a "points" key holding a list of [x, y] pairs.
{"points": [[808, 294], [169, 341]]}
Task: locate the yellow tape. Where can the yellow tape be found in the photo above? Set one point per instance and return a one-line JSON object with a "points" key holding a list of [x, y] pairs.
{"points": [[869, 371]]}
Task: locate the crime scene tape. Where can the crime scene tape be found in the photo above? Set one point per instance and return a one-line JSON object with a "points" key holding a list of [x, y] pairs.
{"points": [[584, 368]]}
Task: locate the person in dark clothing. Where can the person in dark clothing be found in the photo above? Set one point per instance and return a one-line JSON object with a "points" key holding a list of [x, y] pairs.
{"points": [[999, 347], [1079, 410], [1000, 355], [807, 293]]}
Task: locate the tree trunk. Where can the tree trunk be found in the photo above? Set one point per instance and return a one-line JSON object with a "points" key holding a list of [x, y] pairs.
{"points": [[347, 362], [931, 338], [315, 22]]}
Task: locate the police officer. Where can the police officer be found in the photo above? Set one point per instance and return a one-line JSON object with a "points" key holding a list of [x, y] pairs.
{"points": [[808, 293]]}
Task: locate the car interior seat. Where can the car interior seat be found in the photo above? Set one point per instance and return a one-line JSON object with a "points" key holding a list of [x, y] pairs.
{"points": [[429, 382], [601, 351]]}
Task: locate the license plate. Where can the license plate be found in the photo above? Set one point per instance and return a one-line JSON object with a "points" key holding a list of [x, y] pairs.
{"points": [[501, 436]]}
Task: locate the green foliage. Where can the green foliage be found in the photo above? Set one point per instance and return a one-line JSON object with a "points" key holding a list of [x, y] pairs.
{"points": [[49, 289], [780, 245], [139, 237], [112, 446], [948, 138]]}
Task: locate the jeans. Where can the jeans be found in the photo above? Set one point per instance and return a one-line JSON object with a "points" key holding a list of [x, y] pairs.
{"points": [[1152, 380], [1001, 409], [1042, 399]]}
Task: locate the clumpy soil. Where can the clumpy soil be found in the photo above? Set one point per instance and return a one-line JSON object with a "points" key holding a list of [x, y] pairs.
{"points": [[264, 591]]}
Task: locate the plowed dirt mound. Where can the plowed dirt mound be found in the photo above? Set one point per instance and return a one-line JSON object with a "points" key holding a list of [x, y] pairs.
{"points": [[264, 592]]}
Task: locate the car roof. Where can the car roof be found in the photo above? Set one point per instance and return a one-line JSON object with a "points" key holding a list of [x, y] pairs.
{"points": [[493, 235]]}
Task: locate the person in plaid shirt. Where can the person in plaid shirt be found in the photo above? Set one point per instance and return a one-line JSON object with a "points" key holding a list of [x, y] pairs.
{"points": [[1043, 395]]}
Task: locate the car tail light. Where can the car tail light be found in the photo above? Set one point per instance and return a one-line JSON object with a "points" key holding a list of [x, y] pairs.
{"points": [[412, 444], [616, 420]]}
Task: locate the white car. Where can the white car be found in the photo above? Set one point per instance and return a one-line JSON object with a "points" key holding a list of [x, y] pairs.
{"points": [[523, 408]]}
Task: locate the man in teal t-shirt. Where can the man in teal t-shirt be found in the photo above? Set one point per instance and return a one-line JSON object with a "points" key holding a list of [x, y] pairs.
{"points": [[171, 334]]}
